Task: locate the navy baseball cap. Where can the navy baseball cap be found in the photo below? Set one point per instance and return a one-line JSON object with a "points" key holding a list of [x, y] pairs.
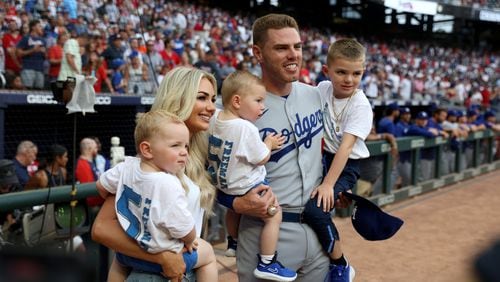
{"points": [[452, 113], [471, 113], [393, 106], [371, 222], [488, 114], [405, 110], [422, 115]]}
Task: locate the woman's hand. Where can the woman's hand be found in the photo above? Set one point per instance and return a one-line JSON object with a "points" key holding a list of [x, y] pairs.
{"points": [[255, 202], [172, 264]]}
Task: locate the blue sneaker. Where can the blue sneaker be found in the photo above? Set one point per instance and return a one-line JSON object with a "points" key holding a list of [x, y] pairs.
{"points": [[274, 271], [340, 273]]}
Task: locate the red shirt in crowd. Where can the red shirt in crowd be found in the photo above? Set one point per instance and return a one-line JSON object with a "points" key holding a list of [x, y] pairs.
{"points": [[11, 41], [55, 53]]}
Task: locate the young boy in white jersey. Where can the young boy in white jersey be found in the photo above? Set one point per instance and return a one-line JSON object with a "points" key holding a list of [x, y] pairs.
{"points": [[347, 117], [153, 201], [236, 162]]}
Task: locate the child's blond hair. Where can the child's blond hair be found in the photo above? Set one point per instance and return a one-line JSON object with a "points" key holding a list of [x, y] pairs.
{"points": [[237, 83], [149, 124], [346, 48]]}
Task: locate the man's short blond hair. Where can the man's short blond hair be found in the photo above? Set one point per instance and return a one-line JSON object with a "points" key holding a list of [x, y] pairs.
{"points": [[346, 48], [150, 123], [271, 21], [238, 82]]}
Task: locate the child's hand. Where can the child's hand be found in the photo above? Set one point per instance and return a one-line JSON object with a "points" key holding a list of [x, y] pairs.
{"points": [[325, 196], [274, 141], [192, 246]]}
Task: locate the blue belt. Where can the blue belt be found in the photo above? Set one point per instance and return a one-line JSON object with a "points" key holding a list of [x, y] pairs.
{"points": [[293, 217]]}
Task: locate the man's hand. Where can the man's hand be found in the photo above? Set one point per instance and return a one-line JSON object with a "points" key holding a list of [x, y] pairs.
{"points": [[255, 202], [173, 265]]}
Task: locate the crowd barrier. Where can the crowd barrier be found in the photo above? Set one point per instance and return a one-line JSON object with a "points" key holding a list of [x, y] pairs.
{"points": [[483, 145]]}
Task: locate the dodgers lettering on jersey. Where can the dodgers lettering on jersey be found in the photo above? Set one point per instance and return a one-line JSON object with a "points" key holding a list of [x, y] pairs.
{"points": [[305, 128]]}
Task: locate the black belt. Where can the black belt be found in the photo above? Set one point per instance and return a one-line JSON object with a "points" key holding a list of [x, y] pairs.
{"points": [[293, 217]]}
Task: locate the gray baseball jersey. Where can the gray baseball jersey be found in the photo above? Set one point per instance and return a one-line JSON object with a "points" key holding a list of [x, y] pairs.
{"points": [[293, 172]]}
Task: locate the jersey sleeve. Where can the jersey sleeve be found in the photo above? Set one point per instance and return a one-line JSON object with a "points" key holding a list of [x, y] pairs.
{"points": [[110, 178], [359, 122], [251, 148]]}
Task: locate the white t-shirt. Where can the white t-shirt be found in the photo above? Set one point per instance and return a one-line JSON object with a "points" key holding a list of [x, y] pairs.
{"points": [[357, 120], [70, 47], [153, 207], [235, 149]]}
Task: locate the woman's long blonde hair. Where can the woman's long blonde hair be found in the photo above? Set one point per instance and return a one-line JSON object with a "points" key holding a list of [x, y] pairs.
{"points": [[177, 94]]}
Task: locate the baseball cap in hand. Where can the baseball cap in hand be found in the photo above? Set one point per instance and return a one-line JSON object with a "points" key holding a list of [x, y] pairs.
{"points": [[371, 222]]}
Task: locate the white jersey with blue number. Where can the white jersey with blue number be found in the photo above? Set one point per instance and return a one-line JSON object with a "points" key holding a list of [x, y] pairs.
{"points": [[153, 207], [235, 149]]}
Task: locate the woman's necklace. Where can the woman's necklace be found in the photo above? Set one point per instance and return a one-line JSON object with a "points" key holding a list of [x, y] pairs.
{"points": [[338, 117]]}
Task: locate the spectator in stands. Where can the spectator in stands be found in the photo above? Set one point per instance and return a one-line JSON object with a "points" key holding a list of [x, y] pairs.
{"points": [[133, 46], [52, 170], [55, 55], [25, 155], [193, 102], [10, 40], [102, 164], [96, 67], [70, 7], [171, 58], [86, 170], [136, 75], [32, 49], [114, 50], [405, 88], [208, 63], [15, 83], [154, 63], [119, 84], [71, 64]]}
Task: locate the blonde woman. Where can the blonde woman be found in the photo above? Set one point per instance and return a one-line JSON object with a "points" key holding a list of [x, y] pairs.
{"points": [[189, 94]]}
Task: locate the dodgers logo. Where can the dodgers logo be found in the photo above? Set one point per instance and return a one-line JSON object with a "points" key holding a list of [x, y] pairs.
{"points": [[304, 129]]}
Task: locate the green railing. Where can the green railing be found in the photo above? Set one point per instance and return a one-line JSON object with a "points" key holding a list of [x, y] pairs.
{"points": [[481, 142], [377, 148]]}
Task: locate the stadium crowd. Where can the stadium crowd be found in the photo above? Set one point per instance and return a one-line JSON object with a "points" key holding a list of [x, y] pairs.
{"points": [[130, 45]]}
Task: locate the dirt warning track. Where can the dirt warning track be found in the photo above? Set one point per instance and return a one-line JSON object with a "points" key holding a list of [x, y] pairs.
{"points": [[444, 231]]}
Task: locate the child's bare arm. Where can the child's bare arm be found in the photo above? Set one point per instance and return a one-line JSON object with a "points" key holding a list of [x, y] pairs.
{"points": [[102, 191], [273, 141]]}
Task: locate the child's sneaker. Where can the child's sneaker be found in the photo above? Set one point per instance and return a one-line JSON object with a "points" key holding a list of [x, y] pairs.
{"points": [[274, 271], [340, 273], [232, 245]]}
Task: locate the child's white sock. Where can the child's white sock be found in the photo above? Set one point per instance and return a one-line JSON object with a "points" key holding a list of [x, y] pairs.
{"points": [[266, 259]]}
